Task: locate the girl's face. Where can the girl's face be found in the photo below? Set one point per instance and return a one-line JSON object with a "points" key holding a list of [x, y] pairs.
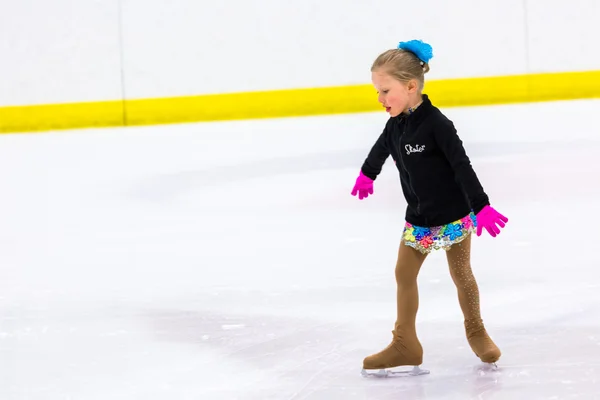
{"points": [[393, 94]]}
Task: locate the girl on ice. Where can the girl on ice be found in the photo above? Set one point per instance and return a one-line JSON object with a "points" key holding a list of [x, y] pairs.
{"points": [[446, 202]]}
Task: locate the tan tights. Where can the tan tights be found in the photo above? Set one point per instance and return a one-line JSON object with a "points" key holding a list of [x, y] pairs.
{"points": [[407, 270], [459, 261], [407, 293], [405, 348]]}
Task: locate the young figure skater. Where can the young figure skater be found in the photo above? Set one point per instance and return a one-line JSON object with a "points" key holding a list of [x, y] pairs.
{"points": [[446, 202]]}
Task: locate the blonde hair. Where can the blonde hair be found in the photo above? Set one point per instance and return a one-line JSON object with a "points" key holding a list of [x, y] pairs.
{"points": [[403, 65]]}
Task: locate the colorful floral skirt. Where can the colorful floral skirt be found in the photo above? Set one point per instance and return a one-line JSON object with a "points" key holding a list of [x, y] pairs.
{"points": [[440, 237]]}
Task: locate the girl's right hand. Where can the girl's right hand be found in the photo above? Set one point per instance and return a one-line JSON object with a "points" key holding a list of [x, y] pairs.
{"points": [[363, 186]]}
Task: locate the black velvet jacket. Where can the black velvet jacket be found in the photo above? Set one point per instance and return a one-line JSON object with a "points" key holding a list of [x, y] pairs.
{"points": [[437, 178]]}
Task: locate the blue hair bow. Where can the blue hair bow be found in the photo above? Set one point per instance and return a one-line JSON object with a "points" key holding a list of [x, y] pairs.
{"points": [[421, 49]]}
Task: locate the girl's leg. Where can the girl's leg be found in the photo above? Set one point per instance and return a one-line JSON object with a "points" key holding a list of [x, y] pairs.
{"points": [[407, 270], [405, 348], [459, 261]]}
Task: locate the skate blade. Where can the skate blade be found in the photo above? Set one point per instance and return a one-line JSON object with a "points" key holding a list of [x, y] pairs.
{"points": [[390, 373], [486, 367]]}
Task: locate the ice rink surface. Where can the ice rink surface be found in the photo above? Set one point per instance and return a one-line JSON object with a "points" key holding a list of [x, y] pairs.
{"points": [[229, 261]]}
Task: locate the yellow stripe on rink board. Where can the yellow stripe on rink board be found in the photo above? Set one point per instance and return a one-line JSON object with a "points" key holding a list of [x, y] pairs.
{"points": [[61, 116], [295, 102], [253, 105], [514, 89]]}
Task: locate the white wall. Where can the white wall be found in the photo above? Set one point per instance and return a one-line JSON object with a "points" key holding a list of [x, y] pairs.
{"points": [[55, 51], [82, 50], [563, 35]]}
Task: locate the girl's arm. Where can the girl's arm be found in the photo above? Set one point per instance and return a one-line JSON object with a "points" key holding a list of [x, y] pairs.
{"points": [[376, 157], [451, 145]]}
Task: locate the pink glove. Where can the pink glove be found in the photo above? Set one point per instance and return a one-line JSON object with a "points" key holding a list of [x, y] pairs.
{"points": [[488, 218], [363, 186]]}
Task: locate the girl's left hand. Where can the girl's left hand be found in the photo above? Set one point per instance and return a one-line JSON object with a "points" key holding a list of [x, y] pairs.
{"points": [[488, 218]]}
